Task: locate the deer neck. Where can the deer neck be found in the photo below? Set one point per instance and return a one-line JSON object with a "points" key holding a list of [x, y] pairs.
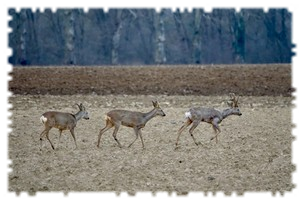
{"points": [[149, 115], [226, 112]]}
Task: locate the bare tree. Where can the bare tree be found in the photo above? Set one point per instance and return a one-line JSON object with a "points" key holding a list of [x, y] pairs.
{"points": [[295, 16], [182, 31], [125, 16], [197, 33], [105, 15], [160, 7], [21, 6], [69, 11], [33, 36], [238, 30], [147, 32], [283, 33], [298, 35], [80, 26], [116, 38]]}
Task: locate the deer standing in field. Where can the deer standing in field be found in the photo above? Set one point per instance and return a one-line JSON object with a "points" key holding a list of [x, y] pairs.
{"points": [[135, 120], [62, 121], [209, 115]]}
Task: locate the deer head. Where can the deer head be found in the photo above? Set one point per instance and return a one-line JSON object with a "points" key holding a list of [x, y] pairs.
{"points": [[83, 111], [233, 104], [233, 101], [159, 111]]}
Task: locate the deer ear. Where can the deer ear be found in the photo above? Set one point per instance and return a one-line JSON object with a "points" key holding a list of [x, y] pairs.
{"points": [[79, 106], [155, 104], [230, 103], [233, 102]]}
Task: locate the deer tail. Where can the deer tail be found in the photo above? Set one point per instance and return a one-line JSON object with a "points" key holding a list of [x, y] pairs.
{"points": [[188, 115]]}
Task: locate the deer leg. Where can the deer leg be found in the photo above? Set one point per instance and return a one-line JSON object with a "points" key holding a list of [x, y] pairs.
{"points": [[217, 131], [108, 126], [73, 135], [117, 126], [136, 134], [195, 124], [41, 138], [60, 133], [47, 136], [140, 133], [44, 133], [185, 125]]}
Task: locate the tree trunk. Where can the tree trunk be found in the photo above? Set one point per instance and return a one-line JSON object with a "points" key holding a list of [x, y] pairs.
{"points": [[35, 55], [298, 40], [160, 38], [80, 14], [116, 39], [145, 40], [21, 6], [238, 33], [70, 58], [182, 31], [197, 33], [285, 53], [116, 45], [294, 11]]}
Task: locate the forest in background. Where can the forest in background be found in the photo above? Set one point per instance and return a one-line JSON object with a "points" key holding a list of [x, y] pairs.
{"points": [[145, 37]]}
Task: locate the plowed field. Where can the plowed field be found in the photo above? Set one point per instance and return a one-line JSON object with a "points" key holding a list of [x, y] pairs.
{"points": [[253, 152]]}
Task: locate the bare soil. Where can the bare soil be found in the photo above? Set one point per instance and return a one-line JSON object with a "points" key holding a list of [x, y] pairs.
{"points": [[250, 80], [253, 153]]}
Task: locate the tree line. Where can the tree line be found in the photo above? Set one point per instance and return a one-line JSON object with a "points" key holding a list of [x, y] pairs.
{"points": [[112, 32]]}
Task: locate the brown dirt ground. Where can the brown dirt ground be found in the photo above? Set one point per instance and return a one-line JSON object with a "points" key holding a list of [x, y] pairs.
{"points": [[250, 80], [253, 153]]}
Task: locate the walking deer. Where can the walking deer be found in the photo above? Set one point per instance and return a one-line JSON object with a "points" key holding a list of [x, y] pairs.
{"points": [[62, 121], [135, 120], [209, 115]]}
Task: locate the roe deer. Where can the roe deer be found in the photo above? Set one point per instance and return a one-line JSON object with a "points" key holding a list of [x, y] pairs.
{"points": [[209, 115], [61, 121], [135, 120]]}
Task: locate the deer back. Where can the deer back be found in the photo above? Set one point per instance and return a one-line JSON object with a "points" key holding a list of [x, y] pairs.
{"points": [[203, 114], [125, 117], [134, 119], [59, 120]]}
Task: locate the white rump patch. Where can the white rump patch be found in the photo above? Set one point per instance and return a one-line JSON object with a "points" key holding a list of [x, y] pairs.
{"points": [[188, 115], [43, 119], [107, 118]]}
